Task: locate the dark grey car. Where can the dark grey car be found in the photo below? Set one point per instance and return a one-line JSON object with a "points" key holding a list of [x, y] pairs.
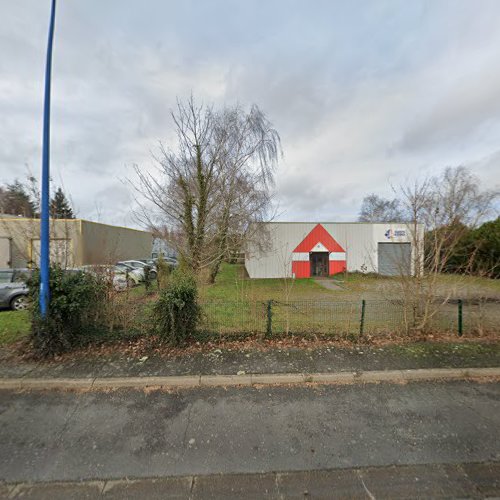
{"points": [[13, 288]]}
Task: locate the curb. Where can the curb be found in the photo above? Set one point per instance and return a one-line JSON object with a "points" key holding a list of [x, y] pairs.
{"points": [[189, 381], [462, 480]]}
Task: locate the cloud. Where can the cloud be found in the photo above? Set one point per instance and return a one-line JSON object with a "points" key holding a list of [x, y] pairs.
{"points": [[362, 98], [465, 107]]}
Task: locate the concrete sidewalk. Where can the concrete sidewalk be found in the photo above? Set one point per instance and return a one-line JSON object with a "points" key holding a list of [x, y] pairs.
{"points": [[475, 480], [262, 379]]}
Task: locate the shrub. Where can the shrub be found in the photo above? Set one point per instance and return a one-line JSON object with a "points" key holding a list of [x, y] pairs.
{"points": [[147, 277], [163, 270], [176, 313], [75, 311]]}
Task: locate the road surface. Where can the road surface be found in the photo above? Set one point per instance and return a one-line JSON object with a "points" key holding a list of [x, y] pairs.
{"points": [[100, 436]]}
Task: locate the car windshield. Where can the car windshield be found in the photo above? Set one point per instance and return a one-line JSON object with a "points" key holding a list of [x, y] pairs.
{"points": [[136, 264], [123, 266]]}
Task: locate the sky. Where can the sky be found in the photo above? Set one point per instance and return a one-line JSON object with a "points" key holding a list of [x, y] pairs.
{"points": [[364, 94]]}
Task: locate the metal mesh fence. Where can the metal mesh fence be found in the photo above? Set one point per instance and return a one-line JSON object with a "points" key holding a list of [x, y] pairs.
{"points": [[370, 317], [233, 317], [481, 316]]}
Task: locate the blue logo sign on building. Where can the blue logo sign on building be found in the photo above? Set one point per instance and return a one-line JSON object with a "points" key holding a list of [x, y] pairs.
{"points": [[398, 233]]}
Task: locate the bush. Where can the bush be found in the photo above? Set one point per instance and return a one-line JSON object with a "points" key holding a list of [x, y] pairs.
{"points": [[147, 277], [75, 311], [176, 313], [163, 271]]}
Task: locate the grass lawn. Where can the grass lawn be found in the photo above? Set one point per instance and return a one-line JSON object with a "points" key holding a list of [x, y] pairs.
{"points": [[14, 325], [232, 285], [236, 304], [470, 286], [371, 286]]}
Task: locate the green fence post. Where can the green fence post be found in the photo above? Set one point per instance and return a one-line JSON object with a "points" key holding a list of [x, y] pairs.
{"points": [[460, 318], [362, 322], [269, 326]]}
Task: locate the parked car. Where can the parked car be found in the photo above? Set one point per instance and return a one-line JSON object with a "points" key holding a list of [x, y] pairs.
{"points": [[169, 260], [140, 265], [119, 277], [134, 276], [13, 288]]}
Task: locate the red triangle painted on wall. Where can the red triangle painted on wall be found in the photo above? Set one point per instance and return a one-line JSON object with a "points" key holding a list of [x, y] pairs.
{"points": [[318, 235]]}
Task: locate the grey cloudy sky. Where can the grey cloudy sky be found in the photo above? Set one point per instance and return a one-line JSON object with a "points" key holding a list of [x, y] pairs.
{"points": [[363, 93]]}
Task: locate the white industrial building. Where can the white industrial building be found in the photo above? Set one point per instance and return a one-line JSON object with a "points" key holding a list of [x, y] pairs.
{"points": [[305, 249]]}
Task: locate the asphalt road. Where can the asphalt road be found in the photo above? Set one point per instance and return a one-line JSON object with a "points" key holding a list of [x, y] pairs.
{"points": [[67, 436]]}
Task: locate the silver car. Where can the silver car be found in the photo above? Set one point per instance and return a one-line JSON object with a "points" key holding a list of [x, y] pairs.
{"points": [[13, 288], [139, 265]]}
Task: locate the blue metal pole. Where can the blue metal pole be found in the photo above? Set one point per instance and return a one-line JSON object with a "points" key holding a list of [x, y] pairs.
{"points": [[45, 201]]}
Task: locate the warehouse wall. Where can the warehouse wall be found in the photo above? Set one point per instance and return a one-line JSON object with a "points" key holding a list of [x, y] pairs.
{"points": [[103, 244], [25, 237], [74, 242], [359, 241]]}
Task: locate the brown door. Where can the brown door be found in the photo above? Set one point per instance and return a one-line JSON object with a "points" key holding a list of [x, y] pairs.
{"points": [[319, 263]]}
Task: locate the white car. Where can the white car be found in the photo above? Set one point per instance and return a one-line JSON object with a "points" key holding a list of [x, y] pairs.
{"points": [[140, 265], [120, 282], [134, 276]]}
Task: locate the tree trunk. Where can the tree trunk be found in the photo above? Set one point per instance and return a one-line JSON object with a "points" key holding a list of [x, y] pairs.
{"points": [[222, 243]]}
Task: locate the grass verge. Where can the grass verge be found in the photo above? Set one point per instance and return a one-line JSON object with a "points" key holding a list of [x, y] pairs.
{"points": [[14, 325]]}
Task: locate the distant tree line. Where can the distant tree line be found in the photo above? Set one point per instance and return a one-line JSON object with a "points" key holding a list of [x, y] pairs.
{"points": [[22, 199], [477, 251]]}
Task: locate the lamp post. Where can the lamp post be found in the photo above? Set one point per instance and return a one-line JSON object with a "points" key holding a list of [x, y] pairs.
{"points": [[45, 198]]}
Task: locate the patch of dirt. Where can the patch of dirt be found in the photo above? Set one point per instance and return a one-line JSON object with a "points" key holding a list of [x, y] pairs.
{"points": [[151, 346]]}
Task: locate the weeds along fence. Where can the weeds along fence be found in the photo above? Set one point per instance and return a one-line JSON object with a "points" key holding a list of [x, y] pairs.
{"points": [[342, 319]]}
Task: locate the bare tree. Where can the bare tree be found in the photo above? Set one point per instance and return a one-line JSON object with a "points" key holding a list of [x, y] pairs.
{"points": [[447, 205], [214, 184], [179, 190], [377, 209], [250, 151]]}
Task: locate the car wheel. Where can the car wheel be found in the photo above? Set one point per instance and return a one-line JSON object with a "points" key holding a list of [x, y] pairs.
{"points": [[19, 303], [130, 282], [152, 275]]}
